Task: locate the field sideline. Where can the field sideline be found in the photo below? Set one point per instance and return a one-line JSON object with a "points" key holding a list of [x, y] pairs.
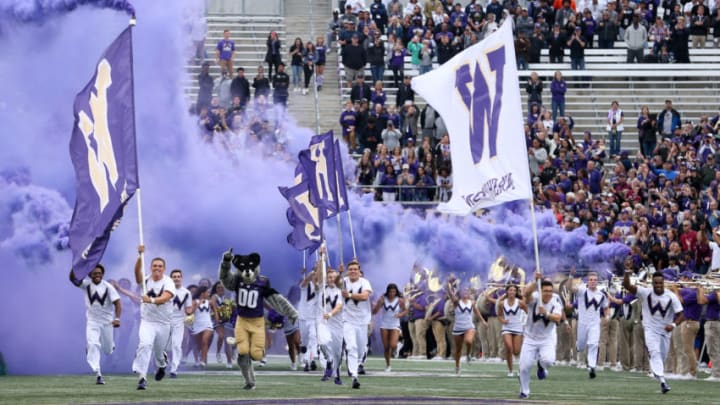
{"points": [[428, 381]]}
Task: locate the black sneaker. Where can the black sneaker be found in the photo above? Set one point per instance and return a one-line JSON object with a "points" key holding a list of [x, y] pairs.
{"points": [[665, 388], [313, 366], [338, 381], [327, 375], [160, 374], [307, 368], [142, 384], [173, 375], [100, 380], [540, 371], [592, 373], [249, 387], [523, 395], [361, 369], [356, 383]]}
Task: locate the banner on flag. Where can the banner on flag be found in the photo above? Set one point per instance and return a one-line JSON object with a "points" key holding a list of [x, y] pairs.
{"points": [[102, 150], [302, 215], [484, 118], [326, 179]]}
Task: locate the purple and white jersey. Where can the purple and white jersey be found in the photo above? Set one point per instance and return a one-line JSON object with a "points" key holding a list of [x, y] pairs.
{"points": [[540, 328], [155, 289], [250, 298], [514, 315], [99, 299], [658, 310], [357, 312], [180, 301], [591, 305], [463, 317], [203, 317], [389, 311], [308, 306]]}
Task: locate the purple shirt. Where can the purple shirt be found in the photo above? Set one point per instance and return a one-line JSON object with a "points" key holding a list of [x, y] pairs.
{"points": [[226, 48], [712, 313], [691, 309], [420, 300], [250, 298]]}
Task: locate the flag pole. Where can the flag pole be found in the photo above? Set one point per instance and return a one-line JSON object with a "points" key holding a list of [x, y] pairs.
{"points": [[535, 240], [352, 235], [132, 23]]}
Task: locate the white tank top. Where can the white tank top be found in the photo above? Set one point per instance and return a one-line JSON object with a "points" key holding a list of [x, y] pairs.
{"points": [[463, 317], [514, 315], [389, 310]]}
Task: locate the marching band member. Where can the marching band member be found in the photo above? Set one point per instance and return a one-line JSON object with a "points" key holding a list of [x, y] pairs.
{"points": [[712, 328]]}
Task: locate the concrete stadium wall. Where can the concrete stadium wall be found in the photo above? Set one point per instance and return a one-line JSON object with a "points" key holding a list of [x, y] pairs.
{"points": [[246, 7]]}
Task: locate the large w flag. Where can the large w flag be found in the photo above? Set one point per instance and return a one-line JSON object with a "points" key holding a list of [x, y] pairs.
{"points": [[326, 180], [302, 215], [102, 149], [484, 118]]}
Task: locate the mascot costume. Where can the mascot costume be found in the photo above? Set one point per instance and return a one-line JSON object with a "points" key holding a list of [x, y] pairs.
{"points": [[252, 292]]}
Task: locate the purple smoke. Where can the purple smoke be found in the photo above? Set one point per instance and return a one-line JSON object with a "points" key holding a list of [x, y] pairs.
{"points": [[40, 11], [197, 200]]}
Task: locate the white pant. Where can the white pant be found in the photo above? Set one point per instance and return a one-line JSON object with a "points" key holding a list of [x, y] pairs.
{"points": [[588, 336], [532, 352], [658, 345], [308, 338], [99, 337], [332, 339], [355, 343], [177, 332], [153, 340]]}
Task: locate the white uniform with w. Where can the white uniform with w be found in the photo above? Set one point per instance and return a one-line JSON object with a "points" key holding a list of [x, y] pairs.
{"points": [[591, 307], [540, 337], [100, 312], [658, 311], [180, 301], [308, 310], [356, 317], [330, 331], [155, 321]]}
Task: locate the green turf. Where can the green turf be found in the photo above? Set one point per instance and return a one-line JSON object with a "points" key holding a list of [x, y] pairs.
{"points": [[478, 380]]}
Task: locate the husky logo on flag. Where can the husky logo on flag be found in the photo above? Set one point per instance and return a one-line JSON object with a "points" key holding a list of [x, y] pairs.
{"points": [[102, 150], [101, 157], [484, 119], [302, 215]]}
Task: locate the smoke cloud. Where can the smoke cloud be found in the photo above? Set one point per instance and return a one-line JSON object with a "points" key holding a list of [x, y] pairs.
{"points": [[197, 200]]}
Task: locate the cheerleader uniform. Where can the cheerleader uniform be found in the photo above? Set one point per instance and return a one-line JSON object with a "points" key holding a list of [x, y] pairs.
{"points": [[463, 318], [389, 311], [203, 319], [515, 317]]}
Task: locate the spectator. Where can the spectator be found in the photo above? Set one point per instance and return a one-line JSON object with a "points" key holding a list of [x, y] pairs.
{"points": [[647, 132], [406, 181], [635, 39], [334, 25], [376, 58], [577, 50], [607, 31], [558, 88], [715, 23], [388, 184], [409, 118], [240, 87], [309, 56], [445, 50], [668, 120], [371, 135], [615, 127], [354, 58], [378, 95], [391, 136], [537, 43], [522, 51], [538, 156], [206, 85], [524, 23], [281, 86], [321, 57], [397, 62], [222, 89], [444, 182], [348, 120], [261, 84], [556, 45], [534, 88], [427, 54], [360, 90], [224, 52], [379, 15], [589, 26], [699, 24], [296, 63], [272, 54], [365, 172], [424, 186], [659, 35], [679, 41]]}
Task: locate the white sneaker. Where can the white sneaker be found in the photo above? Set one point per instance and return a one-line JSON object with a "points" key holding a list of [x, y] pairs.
{"points": [[219, 358], [293, 366], [229, 365], [511, 374], [711, 379], [304, 92], [388, 369]]}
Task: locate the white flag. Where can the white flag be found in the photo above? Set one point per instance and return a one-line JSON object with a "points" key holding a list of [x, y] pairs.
{"points": [[478, 96]]}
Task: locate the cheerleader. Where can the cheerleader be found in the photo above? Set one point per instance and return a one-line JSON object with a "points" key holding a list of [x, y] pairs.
{"points": [[202, 328], [511, 313], [393, 308], [221, 323], [464, 329]]}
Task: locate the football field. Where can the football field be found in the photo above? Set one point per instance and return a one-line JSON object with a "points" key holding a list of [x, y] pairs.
{"points": [[410, 382]]}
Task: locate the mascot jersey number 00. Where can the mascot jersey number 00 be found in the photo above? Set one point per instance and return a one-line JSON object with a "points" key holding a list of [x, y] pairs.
{"points": [[252, 291]]}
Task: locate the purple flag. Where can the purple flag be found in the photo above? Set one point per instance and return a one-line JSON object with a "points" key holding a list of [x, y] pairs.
{"points": [[302, 215], [102, 149], [342, 199], [319, 163]]}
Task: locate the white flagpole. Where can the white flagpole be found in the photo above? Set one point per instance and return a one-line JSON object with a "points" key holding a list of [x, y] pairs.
{"points": [[535, 239], [142, 239], [352, 235]]}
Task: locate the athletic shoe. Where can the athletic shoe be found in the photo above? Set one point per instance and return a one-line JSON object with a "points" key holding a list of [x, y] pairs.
{"points": [[173, 375], [356, 383], [229, 365], [664, 388], [263, 362], [249, 387], [307, 368], [541, 373], [100, 380], [361, 369], [388, 369], [457, 370], [338, 381], [219, 358], [293, 366], [160, 374], [511, 374], [592, 373], [142, 384], [327, 375], [313, 366], [711, 379], [523, 395]]}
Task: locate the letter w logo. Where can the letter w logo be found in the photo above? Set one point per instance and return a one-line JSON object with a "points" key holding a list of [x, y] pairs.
{"points": [[101, 156], [474, 89]]}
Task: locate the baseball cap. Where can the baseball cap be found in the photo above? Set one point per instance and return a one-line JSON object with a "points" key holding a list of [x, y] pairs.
{"points": [[686, 273], [405, 166]]}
